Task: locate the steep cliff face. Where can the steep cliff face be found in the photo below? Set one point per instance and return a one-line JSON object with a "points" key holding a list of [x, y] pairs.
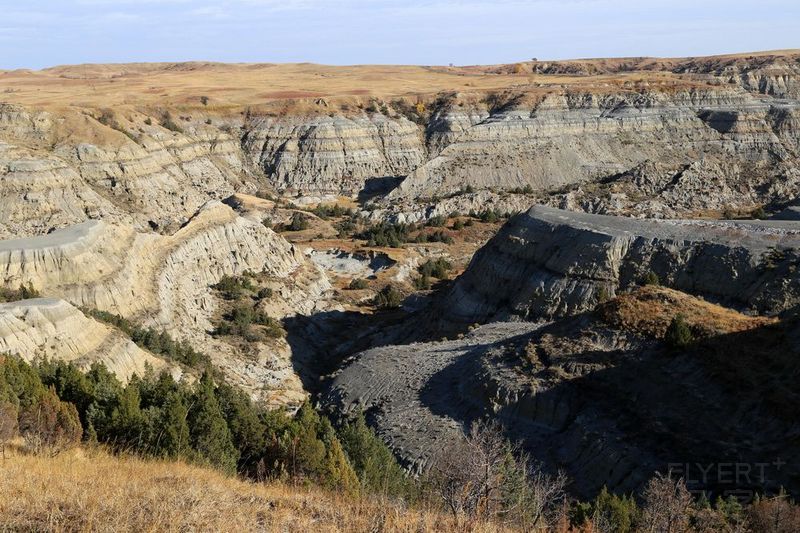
{"points": [[567, 139], [548, 262], [334, 154], [52, 328], [680, 137], [60, 167]]}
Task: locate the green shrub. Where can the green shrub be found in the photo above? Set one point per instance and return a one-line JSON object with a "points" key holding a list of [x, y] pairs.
{"points": [[24, 292], [329, 211], [603, 295], [346, 227], [358, 284], [527, 189], [437, 222], [169, 123], [234, 287], [386, 234], [651, 278], [437, 268], [422, 283], [299, 222], [678, 334], [265, 293], [389, 298], [246, 322], [436, 236], [373, 462], [617, 513], [155, 341], [487, 215]]}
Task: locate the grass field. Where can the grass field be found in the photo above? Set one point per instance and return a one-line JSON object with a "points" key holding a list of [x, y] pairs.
{"points": [[237, 85], [89, 490]]}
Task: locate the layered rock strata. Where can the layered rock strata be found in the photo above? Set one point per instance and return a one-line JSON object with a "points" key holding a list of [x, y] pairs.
{"points": [[54, 329], [165, 281], [549, 262]]}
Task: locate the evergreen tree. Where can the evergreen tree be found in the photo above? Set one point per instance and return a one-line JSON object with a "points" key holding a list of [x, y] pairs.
{"points": [[336, 472], [247, 429], [304, 450], [172, 435], [209, 433], [678, 334], [129, 428], [375, 465]]}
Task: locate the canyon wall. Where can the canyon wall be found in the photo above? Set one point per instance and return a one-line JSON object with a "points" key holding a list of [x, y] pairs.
{"points": [[713, 135]]}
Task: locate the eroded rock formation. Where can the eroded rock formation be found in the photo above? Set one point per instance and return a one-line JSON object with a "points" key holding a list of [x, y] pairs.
{"points": [[54, 329], [549, 262], [165, 282], [598, 394]]}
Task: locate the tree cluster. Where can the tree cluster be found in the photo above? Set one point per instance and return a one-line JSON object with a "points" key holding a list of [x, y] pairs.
{"points": [[158, 342], [55, 405]]}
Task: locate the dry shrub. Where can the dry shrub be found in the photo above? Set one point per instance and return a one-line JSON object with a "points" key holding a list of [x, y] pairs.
{"points": [[667, 504], [484, 478], [50, 425], [774, 515]]}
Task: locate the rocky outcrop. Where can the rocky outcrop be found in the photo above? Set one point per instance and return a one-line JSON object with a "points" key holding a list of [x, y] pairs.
{"points": [[771, 73], [594, 394], [61, 168], [414, 405], [54, 329], [334, 154], [567, 139], [549, 262], [666, 147], [165, 282]]}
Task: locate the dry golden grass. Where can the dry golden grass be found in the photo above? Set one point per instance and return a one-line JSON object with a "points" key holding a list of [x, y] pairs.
{"points": [[234, 86], [649, 310], [89, 490]]}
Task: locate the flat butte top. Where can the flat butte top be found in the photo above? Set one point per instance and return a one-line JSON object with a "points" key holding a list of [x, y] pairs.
{"points": [[235, 85]]}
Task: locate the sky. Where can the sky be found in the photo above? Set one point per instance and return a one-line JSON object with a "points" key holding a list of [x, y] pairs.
{"points": [[42, 33]]}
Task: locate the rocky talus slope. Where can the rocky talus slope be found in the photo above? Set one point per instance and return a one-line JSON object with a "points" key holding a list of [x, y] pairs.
{"points": [[549, 262], [598, 394], [165, 281], [54, 329]]}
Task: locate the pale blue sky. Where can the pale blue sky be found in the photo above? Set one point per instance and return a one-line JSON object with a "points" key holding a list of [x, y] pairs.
{"points": [[40, 33]]}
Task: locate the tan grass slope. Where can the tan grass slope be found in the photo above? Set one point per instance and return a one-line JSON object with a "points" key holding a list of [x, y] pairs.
{"points": [[241, 84], [88, 490]]}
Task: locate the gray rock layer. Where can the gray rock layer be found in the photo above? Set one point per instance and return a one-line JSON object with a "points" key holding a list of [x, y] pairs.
{"points": [[549, 262]]}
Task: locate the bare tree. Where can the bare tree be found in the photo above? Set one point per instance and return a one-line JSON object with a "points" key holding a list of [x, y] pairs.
{"points": [[485, 476], [774, 515], [667, 503]]}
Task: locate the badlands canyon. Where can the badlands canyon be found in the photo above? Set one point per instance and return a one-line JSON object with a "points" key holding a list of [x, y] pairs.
{"points": [[428, 246]]}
